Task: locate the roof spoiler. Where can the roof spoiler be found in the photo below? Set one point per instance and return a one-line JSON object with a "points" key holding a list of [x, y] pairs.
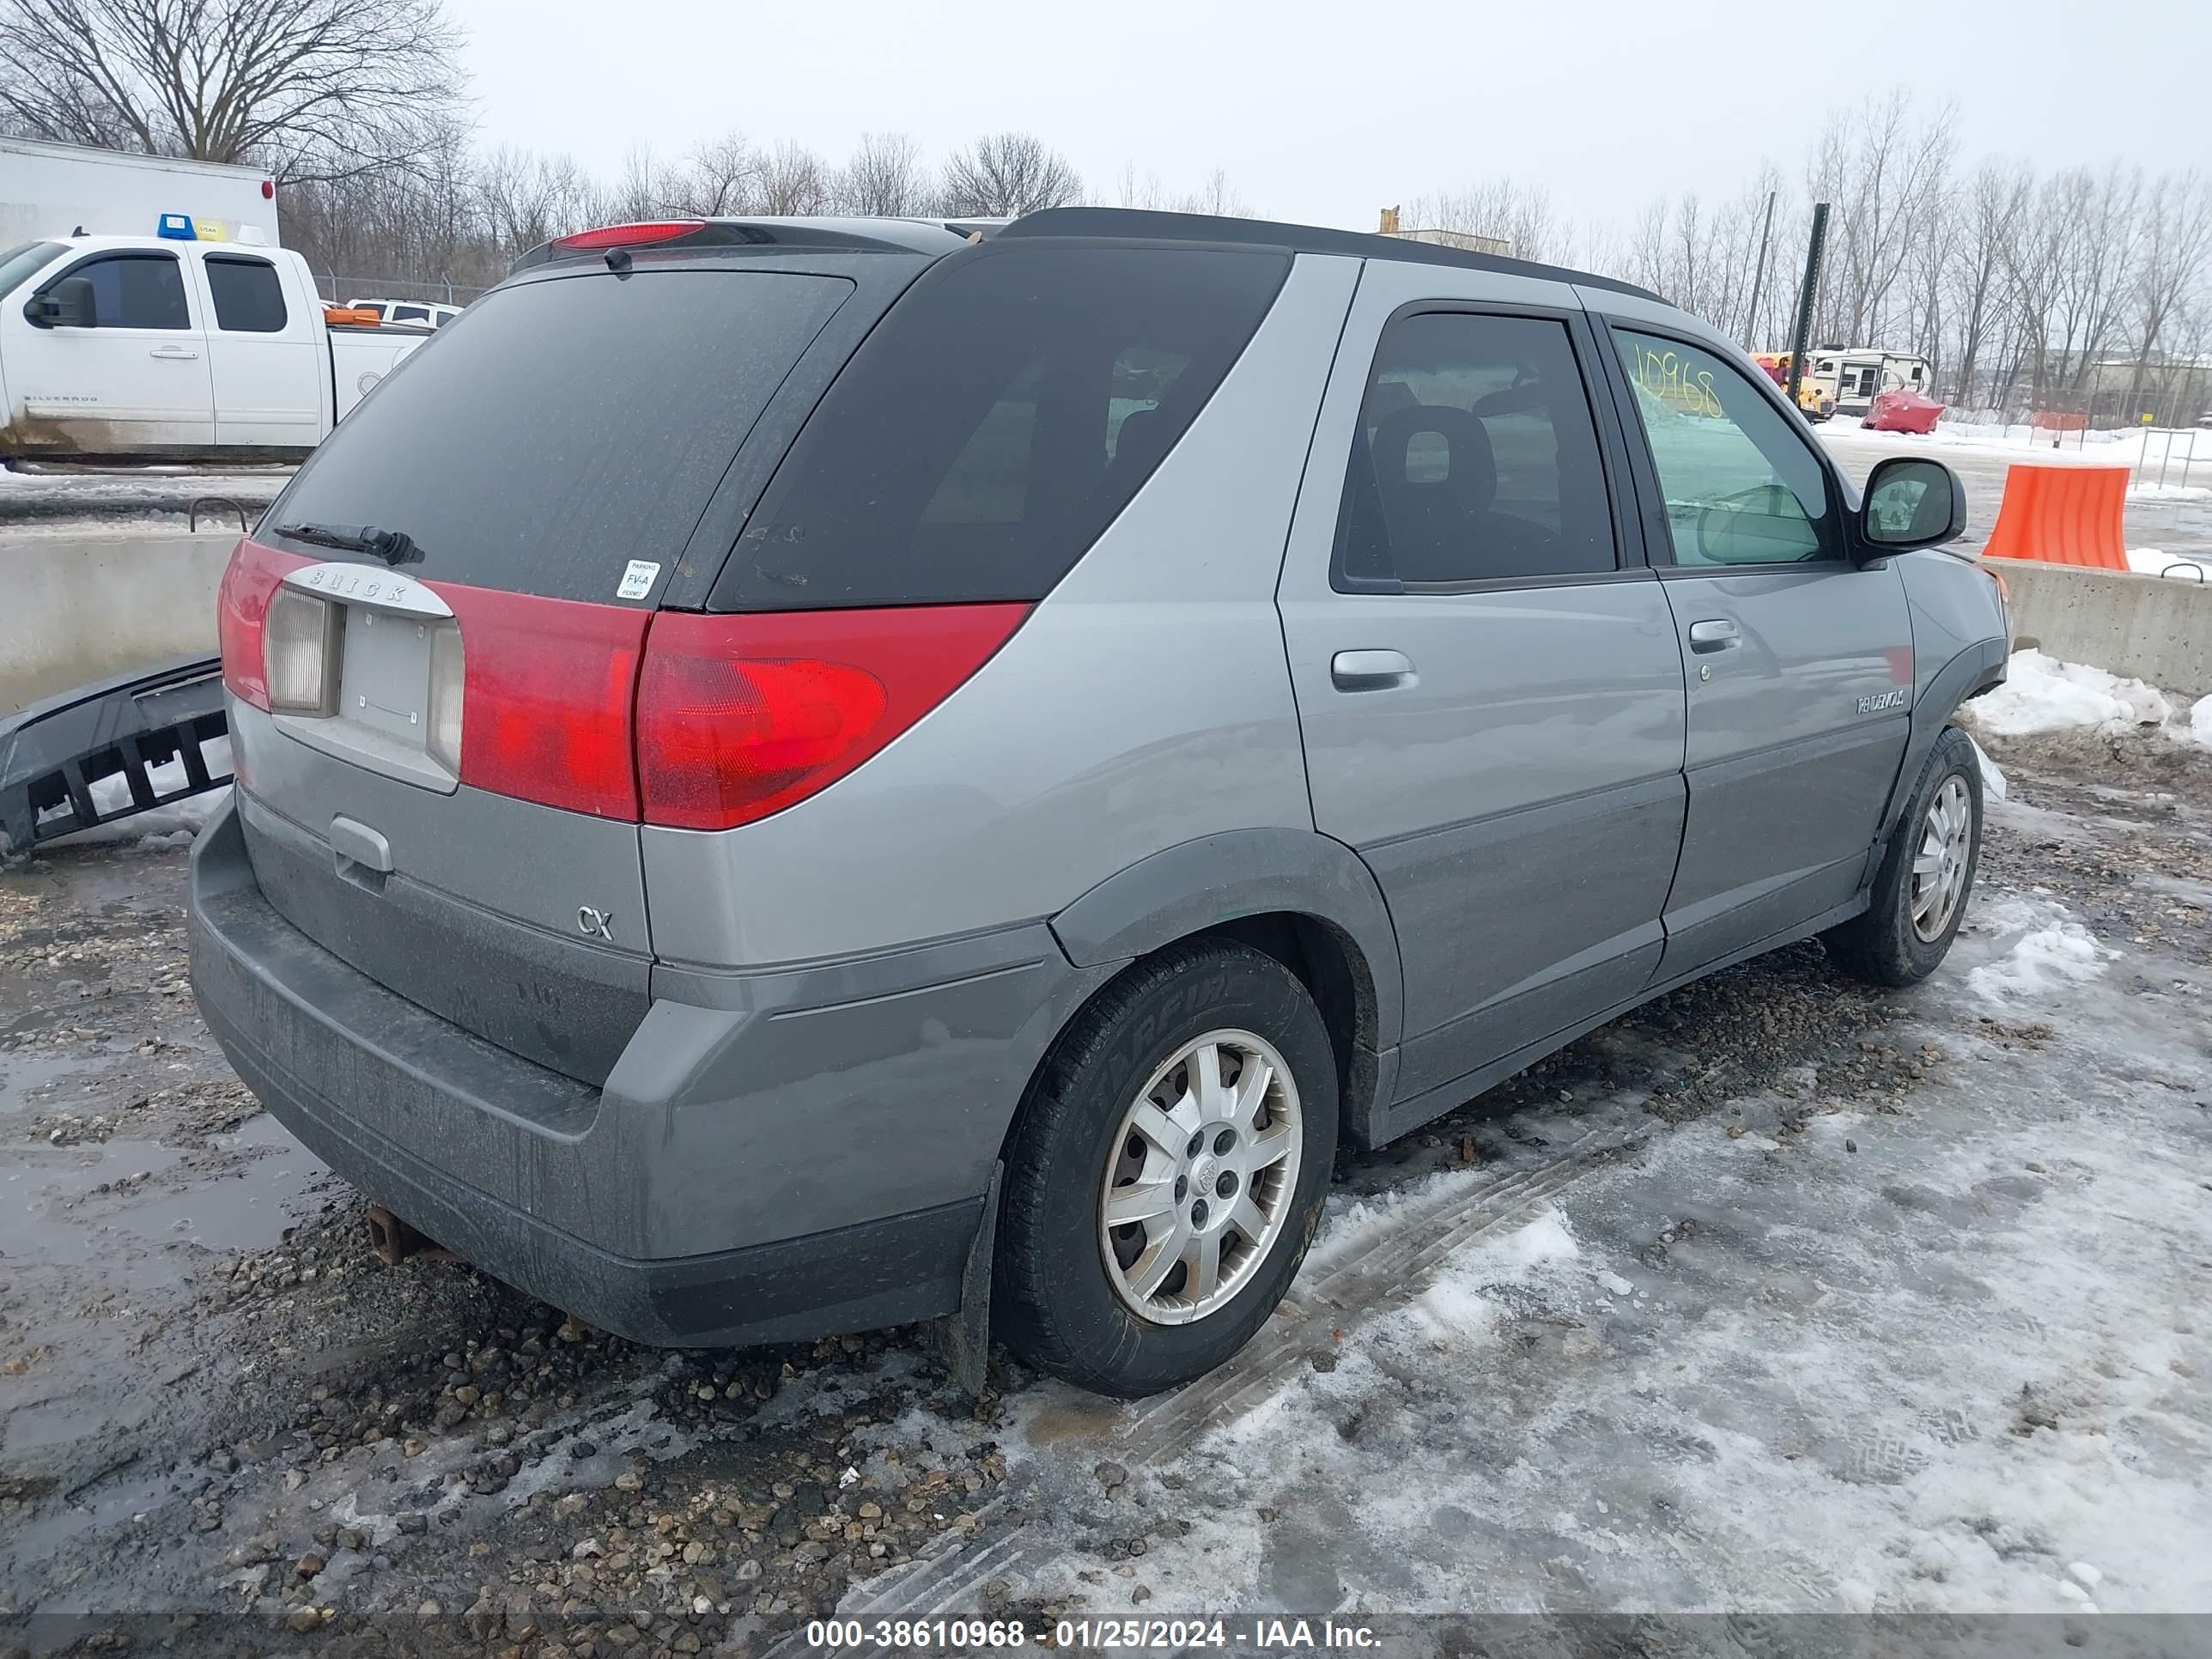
{"points": [[1144, 224]]}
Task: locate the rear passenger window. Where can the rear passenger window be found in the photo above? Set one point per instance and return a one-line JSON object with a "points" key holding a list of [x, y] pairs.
{"points": [[1476, 459], [249, 298], [994, 424], [136, 290]]}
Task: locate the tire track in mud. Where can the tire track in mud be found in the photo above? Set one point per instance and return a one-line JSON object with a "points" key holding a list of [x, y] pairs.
{"points": [[1377, 1278]]}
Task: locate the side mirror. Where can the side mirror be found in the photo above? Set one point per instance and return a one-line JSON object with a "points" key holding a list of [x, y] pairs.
{"points": [[68, 303], [1911, 503]]}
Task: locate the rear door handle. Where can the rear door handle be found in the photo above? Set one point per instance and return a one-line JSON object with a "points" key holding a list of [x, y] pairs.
{"points": [[1719, 634], [1370, 671], [174, 354]]}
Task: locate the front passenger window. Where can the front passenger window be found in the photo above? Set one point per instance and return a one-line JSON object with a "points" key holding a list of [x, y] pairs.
{"points": [[1742, 487]]}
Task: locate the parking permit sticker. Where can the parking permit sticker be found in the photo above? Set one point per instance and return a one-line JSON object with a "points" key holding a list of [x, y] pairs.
{"points": [[637, 579]]}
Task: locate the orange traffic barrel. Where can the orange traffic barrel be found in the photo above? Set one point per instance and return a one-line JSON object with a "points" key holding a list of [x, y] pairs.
{"points": [[2062, 515]]}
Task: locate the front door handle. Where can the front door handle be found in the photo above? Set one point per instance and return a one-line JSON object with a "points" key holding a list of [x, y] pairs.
{"points": [[1718, 635], [1370, 671], [174, 354]]}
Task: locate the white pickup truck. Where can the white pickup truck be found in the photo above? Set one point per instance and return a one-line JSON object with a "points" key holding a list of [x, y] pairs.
{"points": [[141, 348]]}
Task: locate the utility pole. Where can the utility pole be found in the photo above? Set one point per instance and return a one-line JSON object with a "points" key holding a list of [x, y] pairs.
{"points": [[1759, 273], [1800, 339]]}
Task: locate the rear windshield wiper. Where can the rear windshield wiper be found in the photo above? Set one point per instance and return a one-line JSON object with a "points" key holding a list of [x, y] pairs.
{"points": [[392, 546]]}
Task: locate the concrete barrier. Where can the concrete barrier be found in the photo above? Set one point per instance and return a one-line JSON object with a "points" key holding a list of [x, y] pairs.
{"points": [[2154, 627], [78, 608]]}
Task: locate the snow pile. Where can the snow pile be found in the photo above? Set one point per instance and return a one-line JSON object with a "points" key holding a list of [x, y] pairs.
{"points": [[2052, 953], [2199, 728], [2154, 562], [2151, 490], [2041, 694]]}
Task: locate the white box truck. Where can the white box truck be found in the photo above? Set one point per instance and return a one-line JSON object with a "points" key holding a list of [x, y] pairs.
{"points": [[49, 191]]}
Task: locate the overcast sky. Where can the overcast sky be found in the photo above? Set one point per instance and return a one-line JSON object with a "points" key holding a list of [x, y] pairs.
{"points": [[1325, 112]]}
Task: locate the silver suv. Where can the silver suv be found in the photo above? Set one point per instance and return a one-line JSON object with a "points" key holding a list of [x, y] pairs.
{"points": [[800, 776]]}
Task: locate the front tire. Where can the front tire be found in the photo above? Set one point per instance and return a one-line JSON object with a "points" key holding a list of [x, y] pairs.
{"points": [[1167, 1172], [1927, 874]]}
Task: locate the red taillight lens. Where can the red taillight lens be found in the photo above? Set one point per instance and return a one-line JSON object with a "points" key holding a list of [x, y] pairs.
{"points": [[242, 612], [740, 716], [640, 235], [549, 684]]}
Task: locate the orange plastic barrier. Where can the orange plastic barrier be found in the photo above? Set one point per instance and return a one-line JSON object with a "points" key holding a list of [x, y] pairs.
{"points": [[2062, 515]]}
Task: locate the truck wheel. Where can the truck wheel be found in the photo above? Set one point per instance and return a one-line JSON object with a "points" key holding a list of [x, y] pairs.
{"points": [[1167, 1172], [1927, 875]]}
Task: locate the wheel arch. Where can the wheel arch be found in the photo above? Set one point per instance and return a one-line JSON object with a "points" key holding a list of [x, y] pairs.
{"points": [[1307, 901], [1978, 668]]}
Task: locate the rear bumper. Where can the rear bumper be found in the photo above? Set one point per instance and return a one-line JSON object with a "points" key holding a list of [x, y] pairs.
{"points": [[670, 1207]]}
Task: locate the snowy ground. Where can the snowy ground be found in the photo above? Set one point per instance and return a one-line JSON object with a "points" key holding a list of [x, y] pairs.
{"points": [[2157, 562], [1779, 1296], [2178, 521], [151, 498], [1816, 1353]]}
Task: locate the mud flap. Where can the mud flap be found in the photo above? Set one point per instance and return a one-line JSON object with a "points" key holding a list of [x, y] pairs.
{"points": [[962, 1340]]}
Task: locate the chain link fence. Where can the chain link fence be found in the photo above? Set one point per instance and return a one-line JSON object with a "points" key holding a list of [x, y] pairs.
{"points": [[338, 289]]}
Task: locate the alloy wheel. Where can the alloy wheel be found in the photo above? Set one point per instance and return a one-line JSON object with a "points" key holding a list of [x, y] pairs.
{"points": [[1199, 1184]]}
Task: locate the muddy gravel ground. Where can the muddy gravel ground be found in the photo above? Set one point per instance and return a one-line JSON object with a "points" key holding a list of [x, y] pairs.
{"points": [[228, 1428]]}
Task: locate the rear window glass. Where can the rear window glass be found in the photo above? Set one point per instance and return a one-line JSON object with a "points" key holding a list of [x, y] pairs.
{"points": [[562, 428], [994, 424]]}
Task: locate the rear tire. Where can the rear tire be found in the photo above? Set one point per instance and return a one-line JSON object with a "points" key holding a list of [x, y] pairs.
{"points": [[1927, 874], [1198, 1095]]}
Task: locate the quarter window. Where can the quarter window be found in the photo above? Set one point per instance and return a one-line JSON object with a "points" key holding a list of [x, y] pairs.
{"points": [[136, 290], [249, 296], [1476, 459], [1741, 486], [996, 422]]}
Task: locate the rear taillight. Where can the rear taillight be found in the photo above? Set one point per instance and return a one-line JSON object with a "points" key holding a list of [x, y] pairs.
{"points": [[548, 690], [740, 716], [241, 611]]}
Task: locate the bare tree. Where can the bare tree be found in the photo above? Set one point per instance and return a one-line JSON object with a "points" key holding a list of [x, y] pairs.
{"points": [[794, 180], [883, 178], [309, 88], [1005, 175], [1988, 212], [723, 178], [1880, 165], [2177, 250], [1216, 197], [1517, 214]]}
